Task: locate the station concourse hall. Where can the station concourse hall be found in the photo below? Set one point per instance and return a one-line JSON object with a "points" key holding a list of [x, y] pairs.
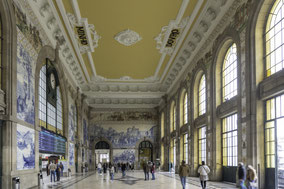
{"points": [[130, 94]]}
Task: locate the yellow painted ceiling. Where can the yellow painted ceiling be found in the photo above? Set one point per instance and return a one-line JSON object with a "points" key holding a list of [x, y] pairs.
{"points": [[146, 17]]}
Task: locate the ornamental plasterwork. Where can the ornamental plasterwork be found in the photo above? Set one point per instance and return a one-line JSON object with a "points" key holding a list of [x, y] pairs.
{"points": [[89, 29], [162, 38], [127, 37]]}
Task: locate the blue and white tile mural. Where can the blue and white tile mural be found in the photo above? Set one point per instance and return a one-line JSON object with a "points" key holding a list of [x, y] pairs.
{"points": [[85, 130], [25, 80], [72, 122], [122, 155], [122, 136], [25, 148], [71, 154]]}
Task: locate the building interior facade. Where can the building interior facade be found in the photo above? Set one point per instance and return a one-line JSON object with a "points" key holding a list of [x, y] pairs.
{"points": [[83, 82]]}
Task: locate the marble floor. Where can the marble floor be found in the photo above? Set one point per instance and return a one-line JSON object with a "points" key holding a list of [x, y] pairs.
{"points": [[133, 180]]}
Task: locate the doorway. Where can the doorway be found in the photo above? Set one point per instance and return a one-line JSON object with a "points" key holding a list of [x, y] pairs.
{"points": [[102, 152], [145, 151]]}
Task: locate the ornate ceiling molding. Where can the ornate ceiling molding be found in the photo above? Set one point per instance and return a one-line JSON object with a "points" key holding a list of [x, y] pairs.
{"points": [[215, 16], [127, 37]]}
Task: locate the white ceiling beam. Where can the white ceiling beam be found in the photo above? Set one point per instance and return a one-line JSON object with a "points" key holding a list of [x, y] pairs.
{"points": [[130, 95]]}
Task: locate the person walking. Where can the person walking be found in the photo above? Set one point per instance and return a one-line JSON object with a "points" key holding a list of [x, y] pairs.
{"points": [[153, 171], [145, 169], [251, 178], [61, 169], [105, 170], [99, 168], [111, 172], [123, 168], [58, 170], [52, 168], [183, 172], [47, 169], [203, 170], [241, 176]]}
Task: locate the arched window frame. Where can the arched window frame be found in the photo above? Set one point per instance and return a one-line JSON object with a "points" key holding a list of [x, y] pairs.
{"points": [[173, 116], [202, 95], [185, 108], [50, 117], [162, 124], [274, 37], [230, 74]]}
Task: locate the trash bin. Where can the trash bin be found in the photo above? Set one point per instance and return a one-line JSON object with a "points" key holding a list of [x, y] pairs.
{"points": [[39, 179], [16, 182]]}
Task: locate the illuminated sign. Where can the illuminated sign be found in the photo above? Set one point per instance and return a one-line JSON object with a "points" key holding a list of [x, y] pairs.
{"points": [[51, 143]]}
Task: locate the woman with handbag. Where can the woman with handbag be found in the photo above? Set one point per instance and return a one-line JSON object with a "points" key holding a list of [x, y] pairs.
{"points": [[203, 170], [251, 180]]}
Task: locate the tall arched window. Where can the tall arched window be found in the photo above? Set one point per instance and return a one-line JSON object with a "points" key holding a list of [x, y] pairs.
{"points": [[274, 39], [229, 73], [162, 124], [173, 116], [202, 95], [185, 110], [50, 103]]}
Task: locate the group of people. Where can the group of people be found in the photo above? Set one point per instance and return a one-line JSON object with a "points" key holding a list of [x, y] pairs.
{"points": [[246, 178], [203, 171], [54, 170], [114, 168], [149, 168]]}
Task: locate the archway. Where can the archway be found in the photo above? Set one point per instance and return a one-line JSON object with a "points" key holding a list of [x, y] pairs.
{"points": [[145, 151], [102, 152]]}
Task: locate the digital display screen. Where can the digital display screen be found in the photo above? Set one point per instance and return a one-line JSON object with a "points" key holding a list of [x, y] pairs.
{"points": [[51, 143]]}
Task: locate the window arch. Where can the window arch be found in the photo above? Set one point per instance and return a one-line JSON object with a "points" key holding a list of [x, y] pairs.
{"points": [[202, 96], [162, 124], [50, 99], [173, 116], [183, 108], [274, 36], [229, 74]]}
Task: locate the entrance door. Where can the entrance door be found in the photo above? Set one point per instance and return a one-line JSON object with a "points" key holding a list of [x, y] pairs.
{"points": [[102, 151], [145, 151]]}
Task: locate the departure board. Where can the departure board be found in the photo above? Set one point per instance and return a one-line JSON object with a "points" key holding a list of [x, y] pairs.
{"points": [[51, 143]]}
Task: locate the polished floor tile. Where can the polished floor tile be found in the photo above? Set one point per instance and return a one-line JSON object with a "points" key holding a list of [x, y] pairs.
{"points": [[132, 180]]}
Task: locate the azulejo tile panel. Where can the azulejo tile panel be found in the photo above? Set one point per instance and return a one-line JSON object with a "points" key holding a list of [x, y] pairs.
{"points": [[122, 136], [71, 154], [26, 56], [123, 156], [25, 148]]}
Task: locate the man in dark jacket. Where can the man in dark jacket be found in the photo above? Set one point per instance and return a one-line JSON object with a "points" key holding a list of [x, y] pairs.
{"points": [[241, 175], [123, 168], [146, 170]]}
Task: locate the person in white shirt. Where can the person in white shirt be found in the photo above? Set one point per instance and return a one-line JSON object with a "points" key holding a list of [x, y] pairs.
{"points": [[100, 168], [111, 171], [203, 170]]}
